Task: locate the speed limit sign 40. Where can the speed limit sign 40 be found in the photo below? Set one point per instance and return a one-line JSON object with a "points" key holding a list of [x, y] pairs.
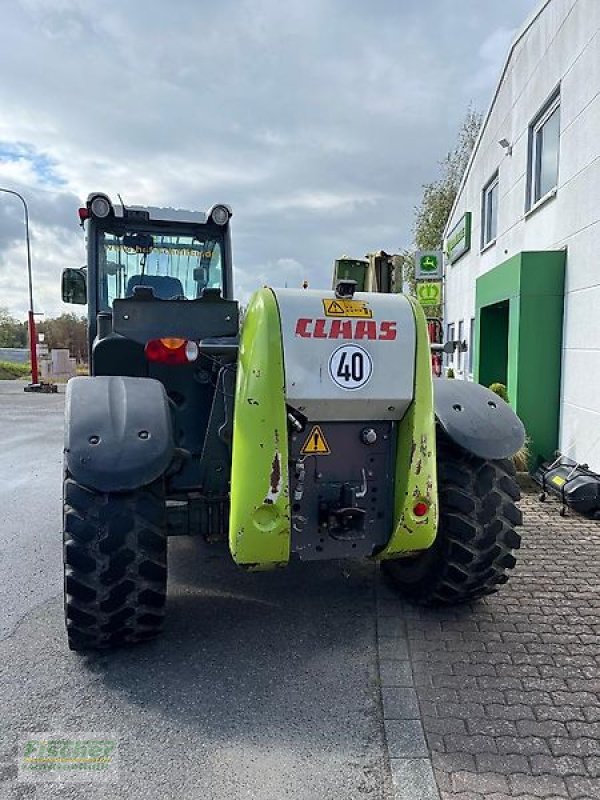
{"points": [[350, 366]]}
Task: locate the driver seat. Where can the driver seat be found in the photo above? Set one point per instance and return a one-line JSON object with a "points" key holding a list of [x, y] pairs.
{"points": [[164, 286]]}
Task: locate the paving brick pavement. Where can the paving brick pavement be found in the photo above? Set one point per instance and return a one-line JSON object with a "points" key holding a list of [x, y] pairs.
{"points": [[508, 689]]}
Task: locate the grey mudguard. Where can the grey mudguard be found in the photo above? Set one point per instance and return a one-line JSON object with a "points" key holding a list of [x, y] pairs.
{"points": [[118, 433], [477, 419]]}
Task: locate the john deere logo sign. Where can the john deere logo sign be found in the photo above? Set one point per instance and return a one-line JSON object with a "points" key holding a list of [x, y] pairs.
{"points": [[459, 238], [428, 265], [429, 294]]}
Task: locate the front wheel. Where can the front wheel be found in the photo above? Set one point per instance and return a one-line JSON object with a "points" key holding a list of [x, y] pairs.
{"points": [[115, 561], [474, 548]]}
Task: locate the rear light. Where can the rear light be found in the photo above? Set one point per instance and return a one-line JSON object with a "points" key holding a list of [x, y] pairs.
{"points": [[421, 508], [171, 351], [100, 206], [220, 215]]}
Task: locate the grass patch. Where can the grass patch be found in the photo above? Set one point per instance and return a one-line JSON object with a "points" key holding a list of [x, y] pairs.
{"points": [[10, 371]]}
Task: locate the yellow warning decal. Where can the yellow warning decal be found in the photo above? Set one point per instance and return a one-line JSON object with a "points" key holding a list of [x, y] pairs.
{"points": [[558, 481], [316, 443], [347, 308]]}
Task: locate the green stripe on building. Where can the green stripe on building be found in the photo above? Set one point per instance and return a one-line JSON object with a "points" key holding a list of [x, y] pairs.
{"points": [[518, 340]]}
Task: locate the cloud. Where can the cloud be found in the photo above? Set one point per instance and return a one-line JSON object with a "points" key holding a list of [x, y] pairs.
{"points": [[317, 121], [22, 163], [492, 52]]}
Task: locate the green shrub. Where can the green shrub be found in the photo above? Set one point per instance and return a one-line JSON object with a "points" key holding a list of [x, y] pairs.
{"points": [[521, 457], [500, 390], [450, 373], [10, 371]]}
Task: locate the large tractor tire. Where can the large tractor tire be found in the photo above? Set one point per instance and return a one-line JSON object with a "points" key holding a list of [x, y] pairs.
{"points": [[474, 548], [115, 558]]}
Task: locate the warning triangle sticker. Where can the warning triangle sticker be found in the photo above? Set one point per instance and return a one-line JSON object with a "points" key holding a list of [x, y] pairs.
{"points": [[334, 307], [316, 443]]}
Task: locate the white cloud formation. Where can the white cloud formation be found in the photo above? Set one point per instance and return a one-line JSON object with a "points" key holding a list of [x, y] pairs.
{"points": [[317, 121]]}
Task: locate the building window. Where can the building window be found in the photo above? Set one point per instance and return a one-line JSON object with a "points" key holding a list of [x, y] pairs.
{"points": [[544, 140], [450, 338], [471, 344], [489, 212], [461, 336]]}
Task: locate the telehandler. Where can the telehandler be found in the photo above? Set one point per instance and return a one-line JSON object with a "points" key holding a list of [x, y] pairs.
{"points": [[312, 431]]}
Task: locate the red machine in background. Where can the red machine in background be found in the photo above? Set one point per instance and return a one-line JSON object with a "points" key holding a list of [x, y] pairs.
{"points": [[436, 336]]}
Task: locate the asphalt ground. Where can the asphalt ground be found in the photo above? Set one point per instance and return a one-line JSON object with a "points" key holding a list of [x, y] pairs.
{"points": [[263, 686], [314, 682]]}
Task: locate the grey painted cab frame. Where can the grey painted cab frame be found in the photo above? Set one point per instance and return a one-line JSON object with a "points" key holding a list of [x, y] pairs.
{"points": [[477, 419], [118, 432]]}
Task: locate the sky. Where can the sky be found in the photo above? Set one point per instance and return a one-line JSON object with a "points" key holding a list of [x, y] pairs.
{"points": [[318, 121]]}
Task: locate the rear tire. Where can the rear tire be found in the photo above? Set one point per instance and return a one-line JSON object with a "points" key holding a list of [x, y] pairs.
{"points": [[115, 560], [474, 548]]}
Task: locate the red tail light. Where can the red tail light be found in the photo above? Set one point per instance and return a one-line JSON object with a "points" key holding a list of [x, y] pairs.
{"points": [[420, 509], [171, 351]]}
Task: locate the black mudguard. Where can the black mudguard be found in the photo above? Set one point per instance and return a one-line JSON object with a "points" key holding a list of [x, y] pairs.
{"points": [[477, 419], [118, 432]]}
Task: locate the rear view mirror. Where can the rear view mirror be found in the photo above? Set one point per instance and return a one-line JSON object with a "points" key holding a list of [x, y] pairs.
{"points": [[74, 286], [138, 242]]}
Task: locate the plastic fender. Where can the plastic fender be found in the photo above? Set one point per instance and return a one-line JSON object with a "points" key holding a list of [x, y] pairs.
{"points": [[259, 524], [477, 420], [416, 476], [118, 432]]}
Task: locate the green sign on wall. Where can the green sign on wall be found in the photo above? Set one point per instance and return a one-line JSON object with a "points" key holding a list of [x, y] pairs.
{"points": [[429, 294], [428, 265], [458, 241]]}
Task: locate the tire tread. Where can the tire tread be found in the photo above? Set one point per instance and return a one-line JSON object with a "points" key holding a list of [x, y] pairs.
{"points": [[115, 558], [476, 540]]}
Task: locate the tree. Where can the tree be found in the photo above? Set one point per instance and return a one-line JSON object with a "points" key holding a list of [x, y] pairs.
{"points": [[12, 332], [431, 215], [68, 332], [438, 198]]}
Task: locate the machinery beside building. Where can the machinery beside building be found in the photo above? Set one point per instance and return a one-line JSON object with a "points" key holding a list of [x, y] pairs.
{"points": [[314, 432]]}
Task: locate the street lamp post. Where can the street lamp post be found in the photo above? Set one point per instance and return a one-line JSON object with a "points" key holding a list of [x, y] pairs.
{"points": [[32, 334]]}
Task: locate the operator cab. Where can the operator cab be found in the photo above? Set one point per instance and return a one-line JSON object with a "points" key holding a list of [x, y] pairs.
{"points": [[136, 252], [176, 262], [158, 285]]}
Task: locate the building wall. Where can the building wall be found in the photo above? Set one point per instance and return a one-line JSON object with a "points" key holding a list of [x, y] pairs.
{"points": [[561, 45]]}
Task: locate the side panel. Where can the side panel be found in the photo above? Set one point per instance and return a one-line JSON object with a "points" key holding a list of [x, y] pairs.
{"points": [[118, 432], [259, 527], [416, 477]]}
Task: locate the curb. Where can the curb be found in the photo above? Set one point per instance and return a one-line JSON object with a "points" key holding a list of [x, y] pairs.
{"points": [[408, 755]]}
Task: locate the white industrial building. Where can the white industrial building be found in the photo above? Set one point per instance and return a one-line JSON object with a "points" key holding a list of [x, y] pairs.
{"points": [[522, 274]]}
